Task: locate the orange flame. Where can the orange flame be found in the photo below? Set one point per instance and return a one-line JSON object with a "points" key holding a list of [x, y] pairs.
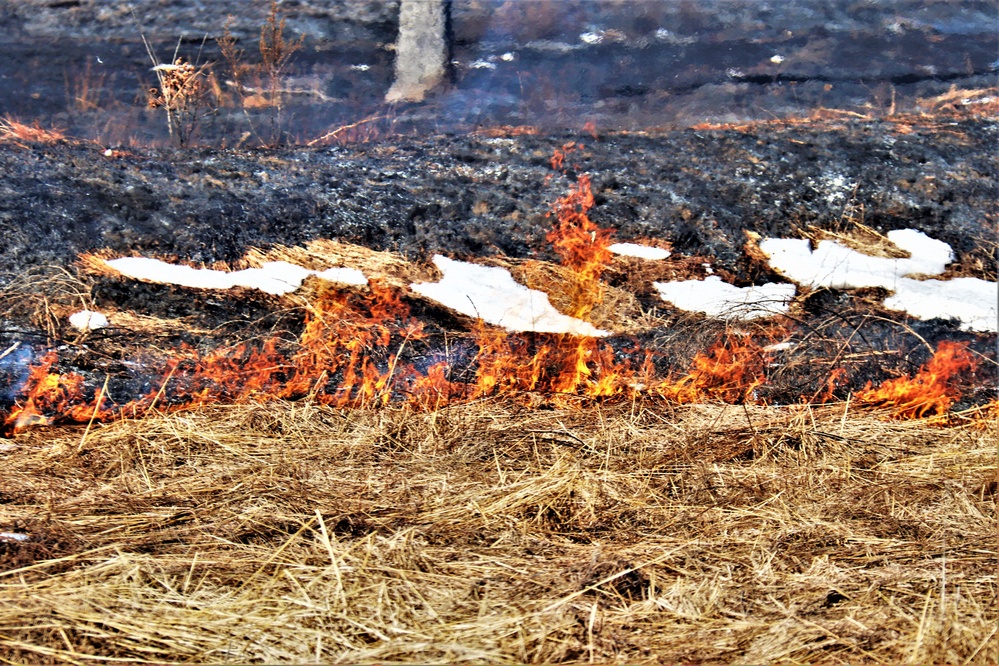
{"points": [[730, 371], [349, 355], [582, 246], [932, 391], [557, 160], [832, 383]]}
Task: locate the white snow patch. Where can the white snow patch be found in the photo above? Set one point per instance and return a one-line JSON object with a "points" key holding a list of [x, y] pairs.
{"points": [[491, 294], [641, 251], [831, 264], [87, 320], [971, 300], [274, 277], [343, 275], [716, 298], [835, 265]]}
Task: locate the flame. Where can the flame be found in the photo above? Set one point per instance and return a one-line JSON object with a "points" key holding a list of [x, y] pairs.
{"points": [[350, 353], [557, 160], [832, 383], [730, 371], [582, 246], [931, 391], [48, 393]]}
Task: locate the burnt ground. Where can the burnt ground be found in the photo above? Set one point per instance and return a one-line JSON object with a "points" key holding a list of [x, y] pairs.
{"points": [[487, 197], [81, 64], [881, 114], [474, 195]]}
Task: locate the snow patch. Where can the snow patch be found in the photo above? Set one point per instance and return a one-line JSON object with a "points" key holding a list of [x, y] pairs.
{"points": [[491, 294], [971, 300], [641, 251], [87, 320], [834, 265], [274, 277], [716, 298], [13, 536]]}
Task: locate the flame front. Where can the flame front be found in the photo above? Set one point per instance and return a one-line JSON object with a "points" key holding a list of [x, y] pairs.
{"points": [[931, 391], [351, 350]]}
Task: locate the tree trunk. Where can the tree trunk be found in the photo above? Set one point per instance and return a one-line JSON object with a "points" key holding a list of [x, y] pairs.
{"points": [[421, 52]]}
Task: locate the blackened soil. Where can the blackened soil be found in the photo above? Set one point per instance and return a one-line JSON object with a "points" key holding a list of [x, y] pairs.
{"points": [[476, 196], [472, 196]]}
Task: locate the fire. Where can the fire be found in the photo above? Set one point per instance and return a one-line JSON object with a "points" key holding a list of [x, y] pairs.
{"points": [[45, 389], [931, 391], [582, 246], [341, 360], [730, 371], [557, 160], [352, 350], [347, 336]]}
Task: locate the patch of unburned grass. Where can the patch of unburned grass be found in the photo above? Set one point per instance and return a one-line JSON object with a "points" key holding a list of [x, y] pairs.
{"points": [[637, 532]]}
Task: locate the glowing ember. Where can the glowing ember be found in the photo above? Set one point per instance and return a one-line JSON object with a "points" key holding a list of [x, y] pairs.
{"points": [[931, 391]]}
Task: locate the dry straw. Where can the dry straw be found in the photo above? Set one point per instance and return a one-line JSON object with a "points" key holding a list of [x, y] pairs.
{"points": [[635, 532]]}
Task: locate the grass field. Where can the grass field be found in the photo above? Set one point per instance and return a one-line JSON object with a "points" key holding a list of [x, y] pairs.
{"points": [[634, 532]]}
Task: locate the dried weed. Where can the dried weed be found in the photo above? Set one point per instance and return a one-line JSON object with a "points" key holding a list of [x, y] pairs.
{"points": [[635, 532]]}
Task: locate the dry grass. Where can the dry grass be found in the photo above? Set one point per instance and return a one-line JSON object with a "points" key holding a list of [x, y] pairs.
{"points": [[18, 133], [292, 533]]}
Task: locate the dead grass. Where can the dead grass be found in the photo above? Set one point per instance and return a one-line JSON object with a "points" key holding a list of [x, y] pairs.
{"points": [[637, 532], [18, 133]]}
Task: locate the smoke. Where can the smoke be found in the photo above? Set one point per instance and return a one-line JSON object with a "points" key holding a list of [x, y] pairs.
{"points": [[15, 365]]}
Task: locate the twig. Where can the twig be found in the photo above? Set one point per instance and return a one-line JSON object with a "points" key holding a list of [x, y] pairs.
{"points": [[344, 128], [93, 417], [11, 349]]}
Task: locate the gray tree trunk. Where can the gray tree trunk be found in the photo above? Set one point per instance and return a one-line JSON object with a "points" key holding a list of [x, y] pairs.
{"points": [[421, 51]]}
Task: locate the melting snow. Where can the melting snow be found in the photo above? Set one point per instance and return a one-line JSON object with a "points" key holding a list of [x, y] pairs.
{"points": [[970, 300], [491, 294], [835, 265], [274, 277], [87, 320], [641, 251], [716, 298], [13, 536], [831, 264]]}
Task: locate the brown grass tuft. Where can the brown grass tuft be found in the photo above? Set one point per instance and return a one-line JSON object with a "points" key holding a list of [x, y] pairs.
{"points": [[17, 132], [637, 533]]}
